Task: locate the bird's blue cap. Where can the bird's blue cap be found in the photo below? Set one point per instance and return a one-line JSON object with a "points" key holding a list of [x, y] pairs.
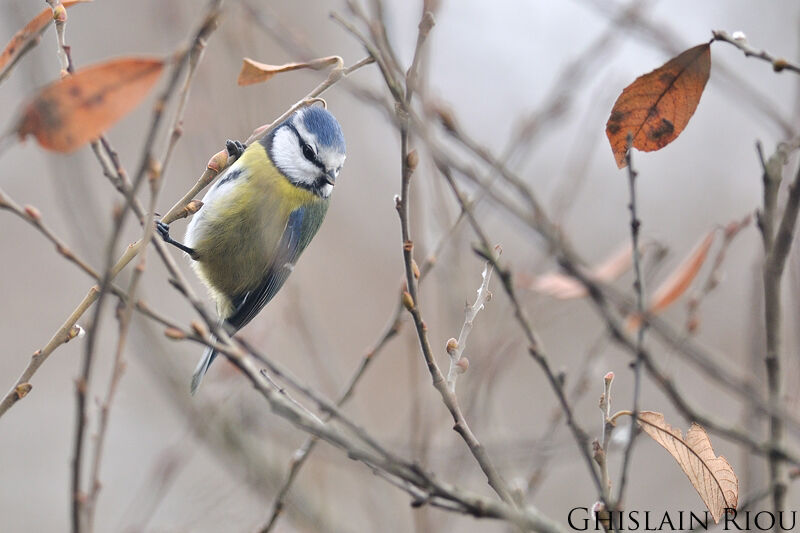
{"points": [[325, 126]]}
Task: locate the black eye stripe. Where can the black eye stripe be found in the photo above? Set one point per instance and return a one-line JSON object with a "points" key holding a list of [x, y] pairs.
{"points": [[306, 148]]}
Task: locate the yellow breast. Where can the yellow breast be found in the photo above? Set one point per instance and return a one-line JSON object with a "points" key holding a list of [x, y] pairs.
{"points": [[239, 227]]}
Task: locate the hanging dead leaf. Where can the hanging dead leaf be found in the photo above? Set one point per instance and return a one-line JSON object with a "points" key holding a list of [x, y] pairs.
{"points": [[678, 281], [734, 227], [28, 36], [614, 265], [255, 72], [712, 477], [564, 287], [656, 107], [729, 233], [554, 284], [70, 112]]}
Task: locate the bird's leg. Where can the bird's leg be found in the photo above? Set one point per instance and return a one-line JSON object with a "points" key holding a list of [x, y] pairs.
{"points": [[163, 230], [235, 148]]}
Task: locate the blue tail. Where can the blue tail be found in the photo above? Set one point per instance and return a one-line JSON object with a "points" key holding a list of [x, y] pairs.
{"points": [[202, 367]]}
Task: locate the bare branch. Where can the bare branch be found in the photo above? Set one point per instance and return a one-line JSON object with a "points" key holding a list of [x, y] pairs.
{"points": [[638, 287], [455, 347], [740, 41]]}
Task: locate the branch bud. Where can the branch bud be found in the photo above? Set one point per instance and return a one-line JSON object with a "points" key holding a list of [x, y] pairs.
{"points": [[22, 390], [597, 453], [193, 207], [408, 301], [75, 331], [452, 346], [174, 334], [412, 160], [447, 119], [218, 161], [60, 13], [153, 170], [116, 210], [33, 213], [198, 328]]}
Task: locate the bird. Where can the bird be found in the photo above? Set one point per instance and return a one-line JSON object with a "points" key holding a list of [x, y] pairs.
{"points": [[260, 215]]}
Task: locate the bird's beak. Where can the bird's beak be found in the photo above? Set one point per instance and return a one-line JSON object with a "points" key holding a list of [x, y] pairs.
{"points": [[330, 177]]}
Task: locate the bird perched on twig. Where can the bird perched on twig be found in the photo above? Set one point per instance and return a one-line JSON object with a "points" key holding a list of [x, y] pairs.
{"points": [[260, 215]]}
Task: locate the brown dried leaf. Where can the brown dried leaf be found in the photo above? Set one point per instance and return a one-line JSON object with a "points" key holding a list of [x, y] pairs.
{"points": [[711, 476], [656, 107], [564, 287], [27, 35], [67, 114], [255, 72], [680, 279], [734, 227], [614, 265]]}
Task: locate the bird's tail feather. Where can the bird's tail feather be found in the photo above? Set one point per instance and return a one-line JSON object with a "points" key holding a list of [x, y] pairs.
{"points": [[202, 367]]}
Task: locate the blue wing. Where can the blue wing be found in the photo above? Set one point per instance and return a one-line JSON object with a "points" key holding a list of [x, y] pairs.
{"points": [[303, 223]]}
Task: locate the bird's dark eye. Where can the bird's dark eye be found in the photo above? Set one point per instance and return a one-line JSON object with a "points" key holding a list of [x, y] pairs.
{"points": [[308, 152]]}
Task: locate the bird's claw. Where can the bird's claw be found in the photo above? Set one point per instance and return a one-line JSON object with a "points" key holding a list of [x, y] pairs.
{"points": [[235, 148], [163, 230]]}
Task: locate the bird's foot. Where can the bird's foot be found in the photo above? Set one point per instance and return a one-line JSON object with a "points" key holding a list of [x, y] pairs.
{"points": [[163, 230], [235, 148]]}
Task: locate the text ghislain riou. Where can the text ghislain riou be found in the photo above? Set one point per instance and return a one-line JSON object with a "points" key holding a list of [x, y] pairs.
{"points": [[582, 519]]}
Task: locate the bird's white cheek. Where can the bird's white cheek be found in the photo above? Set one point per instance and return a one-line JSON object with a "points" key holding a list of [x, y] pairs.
{"points": [[326, 190]]}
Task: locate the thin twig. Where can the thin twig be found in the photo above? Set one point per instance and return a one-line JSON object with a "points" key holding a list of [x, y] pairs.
{"points": [[455, 347], [600, 292], [402, 93], [300, 455], [579, 389], [534, 345], [777, 243], [638, 287], [435, 492], [125, 313], [390, 331], [60, 18], [32, 216], [81, 515], [740, 42], [601, 449]]}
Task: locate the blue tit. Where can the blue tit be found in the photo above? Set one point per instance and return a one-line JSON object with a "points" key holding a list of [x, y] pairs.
{"points": [[260, 215]]}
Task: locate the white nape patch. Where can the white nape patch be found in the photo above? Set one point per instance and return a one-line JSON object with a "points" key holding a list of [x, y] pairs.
{"points": [[326, 190], [288, 157]]}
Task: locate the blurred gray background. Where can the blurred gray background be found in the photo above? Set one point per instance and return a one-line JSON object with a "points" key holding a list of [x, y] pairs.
{"points": [[214, 462]]}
